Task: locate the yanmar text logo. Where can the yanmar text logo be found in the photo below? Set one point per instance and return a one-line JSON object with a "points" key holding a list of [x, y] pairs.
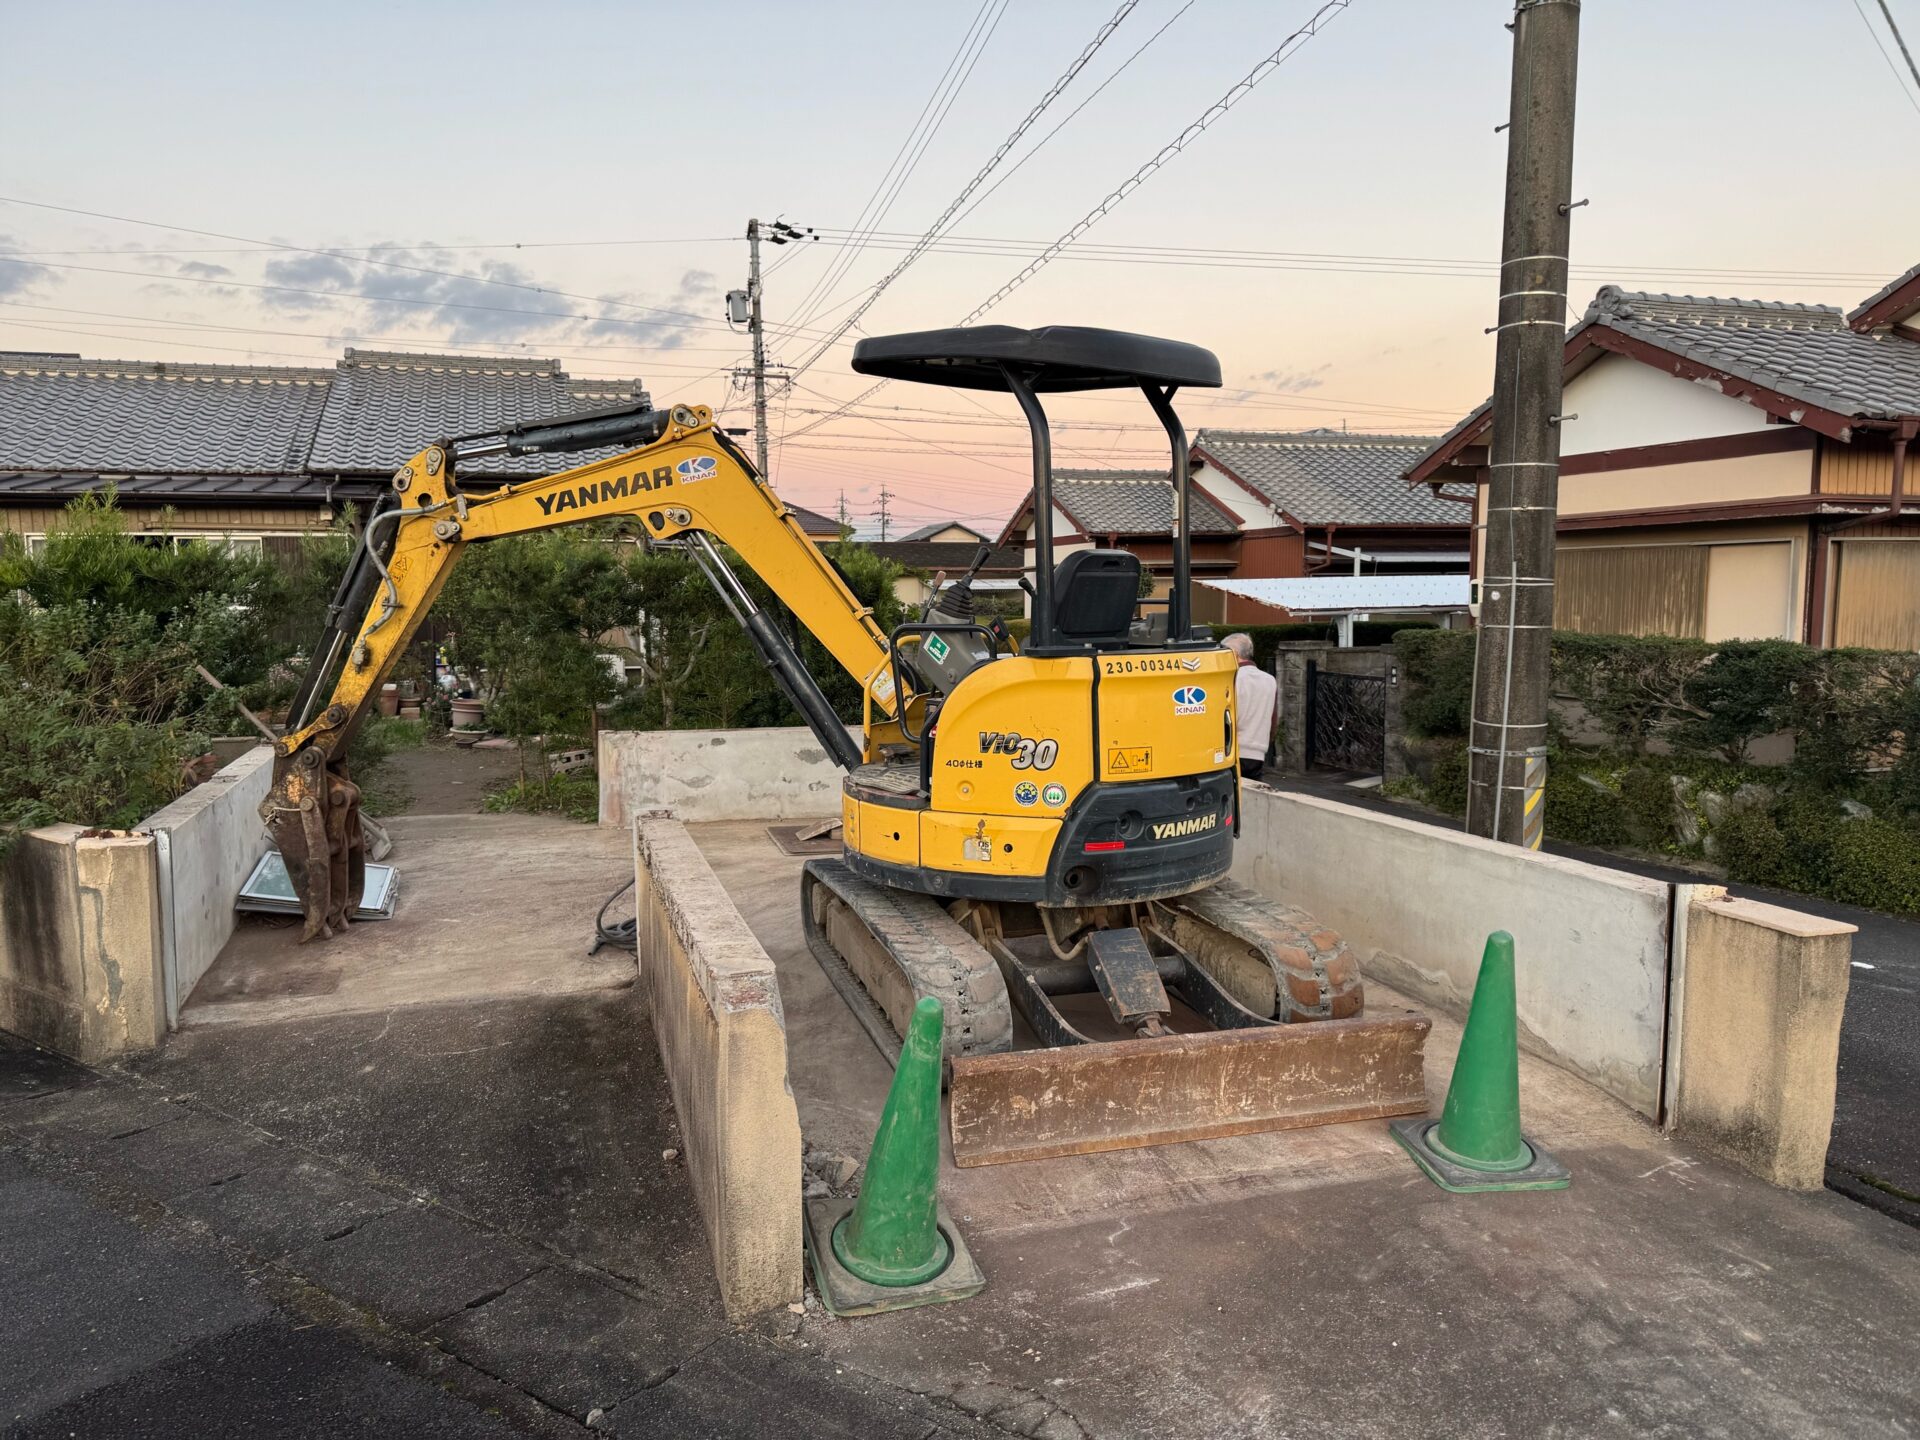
{"points": [[1190, 700], [1196, 825]]}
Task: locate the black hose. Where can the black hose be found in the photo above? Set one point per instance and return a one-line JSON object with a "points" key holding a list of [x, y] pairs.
{"points": [[622, 934]]}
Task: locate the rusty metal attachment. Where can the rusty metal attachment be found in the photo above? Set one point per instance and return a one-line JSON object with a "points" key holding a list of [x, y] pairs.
{"points": [[313, 814], [1080, 1099]]}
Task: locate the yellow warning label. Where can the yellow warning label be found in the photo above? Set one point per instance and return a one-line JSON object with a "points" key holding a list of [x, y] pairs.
{"points": [[1129, 759]]}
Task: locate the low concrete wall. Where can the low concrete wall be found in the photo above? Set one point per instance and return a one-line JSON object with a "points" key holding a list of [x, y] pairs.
{"points": [[715, 1006], [779, 774], [1417, 903], [80, 948], [1755, 1034], [209, 841]]}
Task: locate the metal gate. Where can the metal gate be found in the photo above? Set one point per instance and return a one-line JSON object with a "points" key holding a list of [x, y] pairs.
{"points": [[1346, 721]]}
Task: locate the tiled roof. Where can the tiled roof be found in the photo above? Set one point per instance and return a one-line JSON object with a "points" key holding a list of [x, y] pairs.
{"points": [[927, 532], [387, 404], [1886, 292], [813, 522], [1132, 502], [60, 413], [1808, 353], [952, 556], [179, 489], [1329, 477]]}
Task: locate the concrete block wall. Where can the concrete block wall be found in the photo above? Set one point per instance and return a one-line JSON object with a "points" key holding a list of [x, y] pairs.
{"points": [[80, 950], [209, 839], [774, 774], [1417, 903], [1758, 998], [715, 1006]]}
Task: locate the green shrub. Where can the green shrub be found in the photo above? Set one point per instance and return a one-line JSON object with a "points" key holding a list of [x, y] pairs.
{"points": [[1646, 805], [1447, 790], [1436, 671], [1875, 863], [99, 634], [1581, 808]]}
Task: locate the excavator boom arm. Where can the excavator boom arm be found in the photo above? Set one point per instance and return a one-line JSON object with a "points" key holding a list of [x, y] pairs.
{"points": [[686, 483]]}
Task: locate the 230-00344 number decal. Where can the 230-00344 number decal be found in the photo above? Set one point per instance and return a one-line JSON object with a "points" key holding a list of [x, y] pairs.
{"points": [[1148, 665], [1027, 754]]}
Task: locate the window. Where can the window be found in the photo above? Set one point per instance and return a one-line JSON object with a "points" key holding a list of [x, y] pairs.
{"points": [[1736, 591], [1876, 599]]}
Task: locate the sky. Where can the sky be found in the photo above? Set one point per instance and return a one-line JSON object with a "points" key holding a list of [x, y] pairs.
{"points": [[574, 179]]}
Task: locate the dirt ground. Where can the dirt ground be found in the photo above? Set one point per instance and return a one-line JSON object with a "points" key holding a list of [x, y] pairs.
{"points": [[444, 779]]}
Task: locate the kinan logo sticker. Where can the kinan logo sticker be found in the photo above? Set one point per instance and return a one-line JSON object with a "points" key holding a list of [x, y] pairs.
{"points": [[1055, 795], [697, 467], [1026, 793], [1189, 700]]}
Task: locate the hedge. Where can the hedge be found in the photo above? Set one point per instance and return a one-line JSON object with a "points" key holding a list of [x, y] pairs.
{"points": [[1841, 820]]}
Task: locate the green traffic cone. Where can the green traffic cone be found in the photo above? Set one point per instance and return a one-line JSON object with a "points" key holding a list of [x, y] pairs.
{"points": [[895, 1246], [1478, 1145], [1480, 1126], [893, 1235]]}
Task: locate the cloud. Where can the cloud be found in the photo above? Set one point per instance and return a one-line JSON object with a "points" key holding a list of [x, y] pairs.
{"points": [[484, 299], [19, 277], [201, 270], [1292, 382]]}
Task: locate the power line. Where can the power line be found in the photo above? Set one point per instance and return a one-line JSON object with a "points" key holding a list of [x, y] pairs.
{"points": [[1235, 93], [920, 246], [1880, 45], [1041, 143], [907, 159], [1901, 41]]}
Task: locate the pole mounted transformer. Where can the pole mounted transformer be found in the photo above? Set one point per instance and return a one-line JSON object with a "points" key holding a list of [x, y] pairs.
{"points": [[1507, 761]]}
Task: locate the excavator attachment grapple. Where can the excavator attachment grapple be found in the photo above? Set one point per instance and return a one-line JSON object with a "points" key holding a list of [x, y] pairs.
{"points": [[313, 816], [1214, 1014]]}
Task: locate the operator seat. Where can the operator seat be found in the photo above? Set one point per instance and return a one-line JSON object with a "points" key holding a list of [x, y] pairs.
{"points": [[1094, 595]]}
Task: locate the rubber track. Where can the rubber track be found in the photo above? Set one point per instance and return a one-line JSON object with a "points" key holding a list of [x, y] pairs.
{"points": [[937, 956], [1317, 976]]}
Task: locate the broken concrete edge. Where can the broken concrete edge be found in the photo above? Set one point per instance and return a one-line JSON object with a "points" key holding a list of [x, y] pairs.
{"points": [[1758, 997], [81, 963], [700, 775], [715, 1005]]}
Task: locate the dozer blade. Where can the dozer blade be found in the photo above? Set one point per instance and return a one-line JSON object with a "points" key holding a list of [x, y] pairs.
{"points": [[1079, 1099]]}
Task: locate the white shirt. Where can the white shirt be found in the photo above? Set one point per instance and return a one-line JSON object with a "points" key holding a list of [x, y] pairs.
{"points": [[1256, 693]]}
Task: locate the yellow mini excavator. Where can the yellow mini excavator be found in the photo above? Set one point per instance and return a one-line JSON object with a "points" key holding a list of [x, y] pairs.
{"points": [[1040, 836]]}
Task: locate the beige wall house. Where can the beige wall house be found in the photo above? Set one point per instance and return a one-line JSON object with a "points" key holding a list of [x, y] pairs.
{"points": [[1731, 469]]}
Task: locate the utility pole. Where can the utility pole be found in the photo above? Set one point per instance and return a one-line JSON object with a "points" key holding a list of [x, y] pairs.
{"points": [[759, 346], [883, 514], [744, 308], [1507, 756], [846, 525]]}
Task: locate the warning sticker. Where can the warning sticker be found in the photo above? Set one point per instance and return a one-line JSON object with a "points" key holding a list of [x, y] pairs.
{"points": [[936, 649], [1129, 759]]}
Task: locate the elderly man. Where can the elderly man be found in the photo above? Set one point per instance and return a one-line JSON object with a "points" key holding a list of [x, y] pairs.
{"points": [[1256, 696]]}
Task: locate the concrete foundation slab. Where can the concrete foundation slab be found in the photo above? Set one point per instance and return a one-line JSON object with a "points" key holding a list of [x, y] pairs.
{"points": [[490, 907], [1666, 1292]]}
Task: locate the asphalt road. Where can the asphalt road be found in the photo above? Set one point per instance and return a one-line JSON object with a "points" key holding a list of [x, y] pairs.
{"points": [[1874, 1156]]}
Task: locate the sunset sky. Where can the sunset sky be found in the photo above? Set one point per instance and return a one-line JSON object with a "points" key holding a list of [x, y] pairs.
{"points": [[498, 154]]}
